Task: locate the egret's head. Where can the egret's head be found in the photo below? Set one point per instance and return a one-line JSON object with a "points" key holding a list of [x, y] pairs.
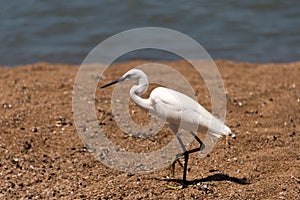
{"points": [[131, 75]]}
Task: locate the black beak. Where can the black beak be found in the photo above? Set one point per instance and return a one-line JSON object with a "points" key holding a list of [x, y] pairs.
{"points": [[113, 82]]}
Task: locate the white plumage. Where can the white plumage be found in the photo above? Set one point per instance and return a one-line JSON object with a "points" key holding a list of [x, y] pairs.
{"points": [[179, 110]]}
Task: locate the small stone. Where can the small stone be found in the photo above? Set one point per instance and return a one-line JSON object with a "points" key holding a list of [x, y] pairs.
{"points": [[213, 170], [293, 133], [130, 174], [7, 105], [293, 86], [27, 145], [282, 193], [240, 103], [60, 122], [34, 130]]}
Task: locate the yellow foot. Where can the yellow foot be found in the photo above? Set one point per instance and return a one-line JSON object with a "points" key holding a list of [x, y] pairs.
{"points": [[179, 187], [174, 187], [171, 171], [172, 166]]}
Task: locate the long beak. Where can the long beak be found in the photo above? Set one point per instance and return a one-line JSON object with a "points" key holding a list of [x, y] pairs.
{"points": [[113, 82]]}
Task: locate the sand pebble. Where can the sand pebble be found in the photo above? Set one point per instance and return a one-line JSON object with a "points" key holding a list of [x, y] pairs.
{"points": [[7, 105], [293, 86]]}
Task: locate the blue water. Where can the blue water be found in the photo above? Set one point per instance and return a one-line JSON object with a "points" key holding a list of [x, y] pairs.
{"points": [[66, 31]]}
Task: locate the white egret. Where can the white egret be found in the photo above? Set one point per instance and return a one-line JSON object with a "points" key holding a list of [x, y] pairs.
{"points": [[179, 110]]}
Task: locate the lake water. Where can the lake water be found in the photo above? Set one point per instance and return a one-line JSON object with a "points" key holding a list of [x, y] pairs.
{"points": [[66, 31]]}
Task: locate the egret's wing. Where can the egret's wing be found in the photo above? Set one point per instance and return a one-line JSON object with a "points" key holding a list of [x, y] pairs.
{"points": [[185, 112], [165, 104], [215, 126]]}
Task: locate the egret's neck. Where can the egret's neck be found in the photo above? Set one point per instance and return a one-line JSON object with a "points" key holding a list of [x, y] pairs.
{"points": [[140, 88], [137, 90]]}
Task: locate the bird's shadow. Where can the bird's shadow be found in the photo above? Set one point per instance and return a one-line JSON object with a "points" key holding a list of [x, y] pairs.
{"points": [[211, 178]]}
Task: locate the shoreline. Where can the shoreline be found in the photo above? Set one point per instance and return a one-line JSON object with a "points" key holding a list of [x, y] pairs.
{"points": [[148, 61]]}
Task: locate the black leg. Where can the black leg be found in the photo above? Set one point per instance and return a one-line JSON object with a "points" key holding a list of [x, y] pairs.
{"points": [[186, 158], [202, 146], [185, 152]]}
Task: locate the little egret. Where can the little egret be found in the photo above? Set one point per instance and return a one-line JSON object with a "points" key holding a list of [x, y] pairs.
{"points": [[179, 110]]}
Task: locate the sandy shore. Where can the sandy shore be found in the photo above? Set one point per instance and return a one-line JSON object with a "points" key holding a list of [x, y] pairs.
{"points": [[42, 156]]}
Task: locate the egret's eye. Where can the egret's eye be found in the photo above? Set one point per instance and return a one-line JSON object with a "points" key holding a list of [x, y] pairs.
{"points": [[128, 76]]}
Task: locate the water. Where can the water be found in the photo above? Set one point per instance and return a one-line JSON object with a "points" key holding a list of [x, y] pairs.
{"points": [[66, 31]]}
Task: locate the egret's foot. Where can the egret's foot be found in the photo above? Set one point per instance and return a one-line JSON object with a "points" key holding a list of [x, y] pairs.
{"points": [[179, 187], [171, 170], [172, 166]]}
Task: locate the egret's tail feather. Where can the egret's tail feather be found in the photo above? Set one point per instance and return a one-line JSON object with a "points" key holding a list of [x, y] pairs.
{"points": [[219, 129], [226, 130]]}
